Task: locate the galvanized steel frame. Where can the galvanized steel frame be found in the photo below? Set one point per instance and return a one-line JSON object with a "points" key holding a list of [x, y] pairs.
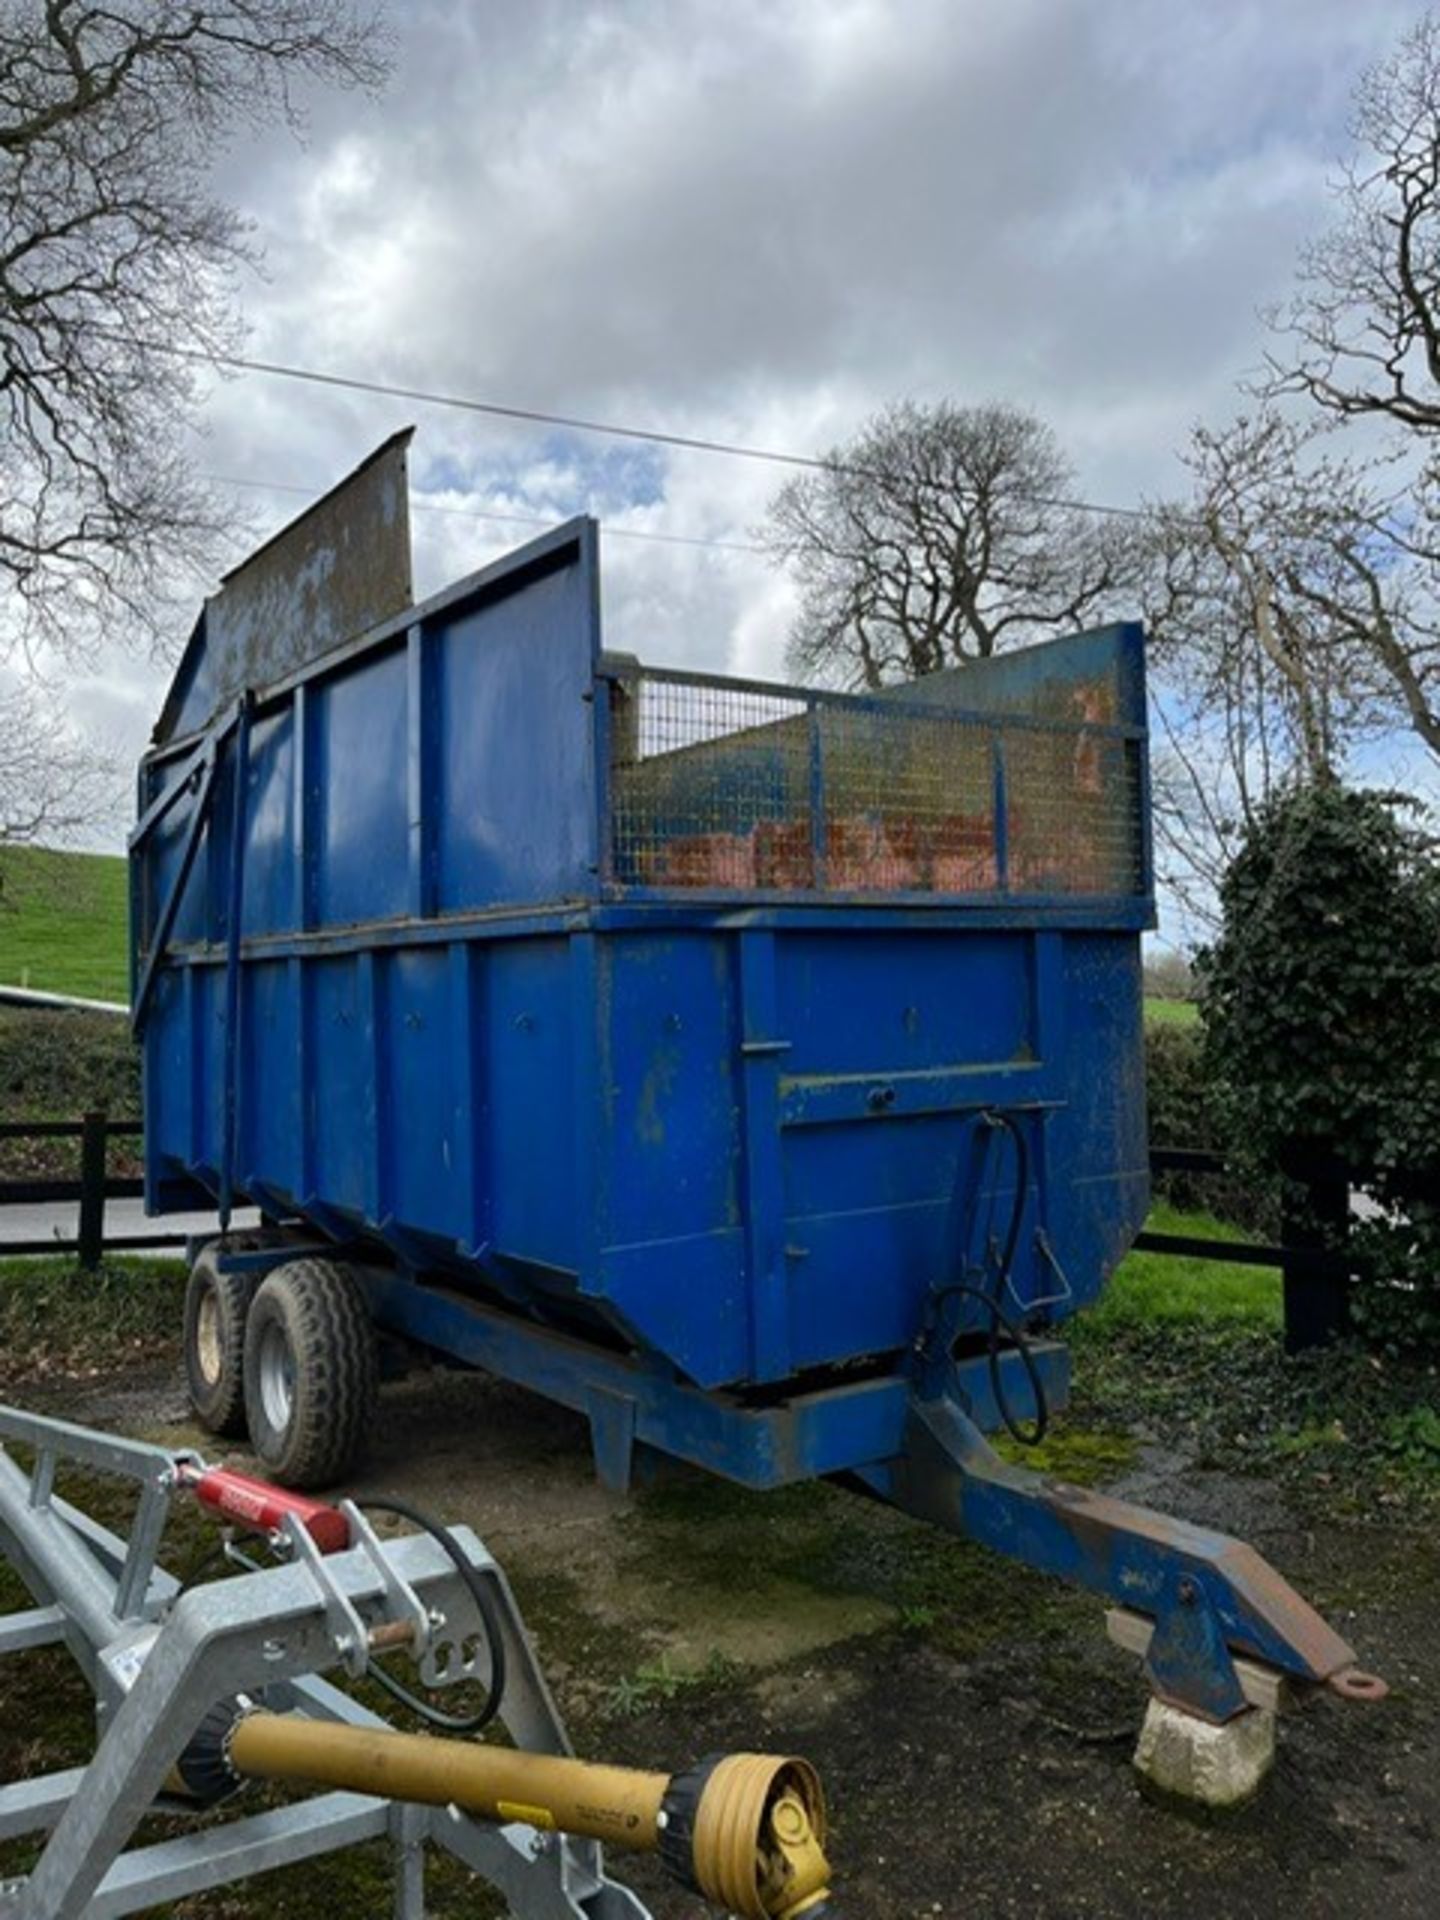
{"points": [[160, 1658]]}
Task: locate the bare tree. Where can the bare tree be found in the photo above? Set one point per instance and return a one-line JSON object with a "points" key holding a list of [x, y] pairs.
{"points": [[939, 535], [1363, 329], [116, 261], [1294, 611], [54, 786]]}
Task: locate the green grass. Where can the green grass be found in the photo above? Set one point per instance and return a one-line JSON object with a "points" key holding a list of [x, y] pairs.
{"points": [[63, 922], [1155, 1289], [56, 1319], [1189, 1353], [1171, 1013], [55, 1064]]}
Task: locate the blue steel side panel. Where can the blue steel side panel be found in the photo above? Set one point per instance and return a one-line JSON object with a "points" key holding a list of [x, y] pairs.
{"points": [[395, 1090], [269, 1091], [451, 769], [885, 1045], [342, 1085], [431, 1093], [269, 855], [357, 780], [669, 1136], [525, 1094], [514, 768], [896, 1040], [421, 1180], [1101, 1135]]}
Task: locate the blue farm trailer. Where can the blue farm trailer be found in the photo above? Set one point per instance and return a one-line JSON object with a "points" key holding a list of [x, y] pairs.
{"points": [[754, 1068]]}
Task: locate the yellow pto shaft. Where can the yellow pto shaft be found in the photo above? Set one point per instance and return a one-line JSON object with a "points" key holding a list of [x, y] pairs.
{"points": [[746, 1830], [494, 1783]]}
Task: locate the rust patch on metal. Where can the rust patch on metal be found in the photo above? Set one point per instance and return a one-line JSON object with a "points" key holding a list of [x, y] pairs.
{"points": [[342, 567], [1353, 1683]]}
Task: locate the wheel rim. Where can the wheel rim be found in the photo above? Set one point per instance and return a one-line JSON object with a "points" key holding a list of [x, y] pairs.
{"points": [[277, 1378], [207, 1338]]}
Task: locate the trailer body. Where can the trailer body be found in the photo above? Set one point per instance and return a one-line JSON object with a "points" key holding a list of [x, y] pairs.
{"points": [[655, 1007], [757, 1069]]}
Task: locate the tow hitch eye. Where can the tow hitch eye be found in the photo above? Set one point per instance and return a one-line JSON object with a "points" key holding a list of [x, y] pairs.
{"points": [[1353, 1683]]}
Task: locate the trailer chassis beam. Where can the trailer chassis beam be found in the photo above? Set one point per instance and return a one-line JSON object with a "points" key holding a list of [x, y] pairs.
{"points": [[1210, 1597]]}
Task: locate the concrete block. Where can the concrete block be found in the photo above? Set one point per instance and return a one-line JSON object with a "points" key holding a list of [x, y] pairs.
{"points": [[1208, 1765]]}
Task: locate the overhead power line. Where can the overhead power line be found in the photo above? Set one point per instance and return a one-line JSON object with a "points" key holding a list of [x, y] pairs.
{"points": [[574, 423], [611, 531]]}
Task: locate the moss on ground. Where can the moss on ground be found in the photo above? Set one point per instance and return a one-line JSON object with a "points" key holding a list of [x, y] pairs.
{"points": [[1083, 1456], [802, 1548]]}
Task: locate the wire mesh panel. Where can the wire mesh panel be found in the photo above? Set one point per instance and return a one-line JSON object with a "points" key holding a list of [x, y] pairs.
{"points": [[1074, 812], [734, 787], [711, 786], [909, 801]]}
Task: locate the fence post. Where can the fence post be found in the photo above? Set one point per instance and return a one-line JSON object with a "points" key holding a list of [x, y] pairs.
{"points": [[92, 1190], [1315, 1223]]}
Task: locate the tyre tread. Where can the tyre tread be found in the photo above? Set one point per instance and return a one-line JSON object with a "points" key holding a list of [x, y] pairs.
{"points": [[222, 1411], [337, 1371]]}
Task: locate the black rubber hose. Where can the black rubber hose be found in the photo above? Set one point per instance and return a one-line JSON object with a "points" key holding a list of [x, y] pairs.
{"points": [[490, 1619], [999, 1118], [993, 1299], [1001, 1322]]}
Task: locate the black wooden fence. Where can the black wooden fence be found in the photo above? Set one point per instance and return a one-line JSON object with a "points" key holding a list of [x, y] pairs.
{"points": [[1316, 1277], [90, 1191], [1310, 1255]]}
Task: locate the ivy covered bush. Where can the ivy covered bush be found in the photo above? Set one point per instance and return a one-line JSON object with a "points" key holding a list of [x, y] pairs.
{"points": [[1321, 1003]]}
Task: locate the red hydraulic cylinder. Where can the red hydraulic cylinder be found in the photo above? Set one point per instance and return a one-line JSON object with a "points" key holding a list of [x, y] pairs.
{"points": [[256, 1504]]}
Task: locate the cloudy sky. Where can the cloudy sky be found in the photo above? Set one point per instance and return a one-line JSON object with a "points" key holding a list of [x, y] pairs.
{"points": [[760, 222]]}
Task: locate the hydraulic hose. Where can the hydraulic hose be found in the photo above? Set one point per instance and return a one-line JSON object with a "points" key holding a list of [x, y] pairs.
{"points": [[490, 1619], [991, 1298]]}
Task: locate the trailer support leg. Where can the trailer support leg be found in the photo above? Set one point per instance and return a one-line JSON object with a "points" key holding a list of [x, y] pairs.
{"points": [[612, 1435]]}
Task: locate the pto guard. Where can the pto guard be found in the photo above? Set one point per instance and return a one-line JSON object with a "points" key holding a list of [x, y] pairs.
{"points": [[1210, 1598]]}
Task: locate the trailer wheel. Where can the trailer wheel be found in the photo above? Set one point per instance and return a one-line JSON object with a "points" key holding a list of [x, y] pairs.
{"points": [[216, 1305], [310, 1372]]}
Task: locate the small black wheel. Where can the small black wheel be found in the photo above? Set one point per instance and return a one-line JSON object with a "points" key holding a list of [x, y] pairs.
{"points": [[216, 1305], [310, 1372]]}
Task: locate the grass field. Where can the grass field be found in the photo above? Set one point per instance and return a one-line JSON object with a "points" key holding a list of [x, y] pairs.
{"points": [[1155, 1289], [1171, 1013], [63, 922]]}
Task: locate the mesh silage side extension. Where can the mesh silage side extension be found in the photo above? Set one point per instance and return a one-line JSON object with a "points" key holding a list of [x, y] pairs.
{"points": [[732, 787]]}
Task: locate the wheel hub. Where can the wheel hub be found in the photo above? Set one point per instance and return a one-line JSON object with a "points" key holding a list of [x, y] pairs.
{"points": [[277, 1378], [207, 1339]]}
